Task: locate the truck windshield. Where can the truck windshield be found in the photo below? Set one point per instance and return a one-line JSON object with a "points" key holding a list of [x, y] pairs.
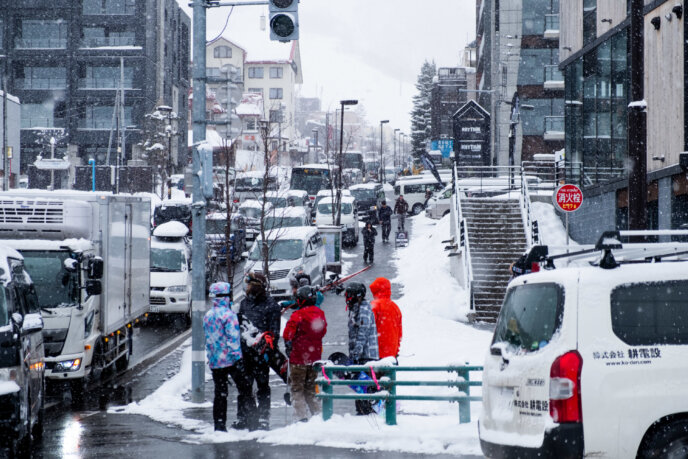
{"points": [[283, 222], [166, 260], [364, 194], [530, 316], [215, 226], [327, 208], [55, 286]]}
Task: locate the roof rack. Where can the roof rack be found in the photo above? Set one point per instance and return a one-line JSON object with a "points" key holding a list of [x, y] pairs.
{"points": [[611, 248]]}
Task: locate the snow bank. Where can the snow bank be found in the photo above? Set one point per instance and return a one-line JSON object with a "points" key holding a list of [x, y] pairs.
{"points": [[552, 231]]}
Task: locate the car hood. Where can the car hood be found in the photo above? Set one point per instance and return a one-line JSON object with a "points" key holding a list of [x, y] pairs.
{"points": [[168, 279], [274, 265]]}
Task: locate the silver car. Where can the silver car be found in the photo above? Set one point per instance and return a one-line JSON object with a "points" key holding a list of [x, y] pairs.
{"points": [[438, 205]]}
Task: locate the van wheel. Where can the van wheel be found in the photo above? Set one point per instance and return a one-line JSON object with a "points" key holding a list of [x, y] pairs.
{"points": [[417, 208], [669, 441], [446, 212]]}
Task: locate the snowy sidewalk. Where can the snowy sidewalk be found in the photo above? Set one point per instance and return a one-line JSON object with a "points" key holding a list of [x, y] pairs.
{"points": [[431, 307]]}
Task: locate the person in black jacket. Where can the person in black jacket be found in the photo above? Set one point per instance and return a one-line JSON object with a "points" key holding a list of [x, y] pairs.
{"points": [[259, 317], [385, 217], [369, 234]]}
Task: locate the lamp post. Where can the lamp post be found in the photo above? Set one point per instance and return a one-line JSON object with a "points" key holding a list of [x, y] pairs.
{"points": [[338, 199], [382, 167], [394, 138], [52, 156]]}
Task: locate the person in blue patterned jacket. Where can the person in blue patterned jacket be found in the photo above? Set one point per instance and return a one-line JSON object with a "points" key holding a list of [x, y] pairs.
{"points": [[223, 348]]}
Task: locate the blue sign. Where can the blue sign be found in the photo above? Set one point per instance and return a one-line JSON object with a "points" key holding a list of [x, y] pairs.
{"points": [[446, 146]]}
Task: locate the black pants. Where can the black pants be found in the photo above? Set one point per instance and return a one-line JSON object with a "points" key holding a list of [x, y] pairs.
{"points": [[364, 407], [386, 228], [368, 253], [258, 370], [246, 405]]}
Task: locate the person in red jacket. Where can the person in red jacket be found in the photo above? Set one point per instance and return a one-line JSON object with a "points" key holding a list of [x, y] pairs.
{"points": [[303, 339], [387, 318]]}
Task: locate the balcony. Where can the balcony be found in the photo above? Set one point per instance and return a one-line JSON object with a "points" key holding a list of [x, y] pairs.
{"points": [[105, 83], [554, 79], [551, 26], [554, 128], [42, 83], [41, 43], [42, 123], [106, 42]]}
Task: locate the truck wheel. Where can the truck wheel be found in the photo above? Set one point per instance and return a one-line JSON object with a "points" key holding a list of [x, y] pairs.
{"points": [[417, 208], [670, 440]]}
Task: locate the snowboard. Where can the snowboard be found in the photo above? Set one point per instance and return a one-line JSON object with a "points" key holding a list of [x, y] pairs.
{"points": [[340, 358]]}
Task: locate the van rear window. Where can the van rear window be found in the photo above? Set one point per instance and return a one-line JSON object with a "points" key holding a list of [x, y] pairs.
{"points": [[651, 313], [530, 316]]}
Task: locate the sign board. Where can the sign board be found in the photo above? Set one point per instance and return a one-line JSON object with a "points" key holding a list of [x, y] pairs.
{"points": [[332, 240], [446, 146], [9, 152], [568, 198], [56, 164], [472, 135]]}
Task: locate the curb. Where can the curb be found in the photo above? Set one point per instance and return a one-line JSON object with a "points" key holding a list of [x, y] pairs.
{"points": [[159, 353]]}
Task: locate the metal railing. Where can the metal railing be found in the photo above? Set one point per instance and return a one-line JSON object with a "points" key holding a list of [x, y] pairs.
{"points": [[41, 43], [526, 213], [554, 124], [551, 22], [105, 83], [109, 7], [387, 384], [42, 83], [95, 42], [487, 181], [552, 73], [31, 123], [584, 176]]}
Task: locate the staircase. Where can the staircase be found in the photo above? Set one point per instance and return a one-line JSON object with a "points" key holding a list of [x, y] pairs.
{"points": [[497, 238]]}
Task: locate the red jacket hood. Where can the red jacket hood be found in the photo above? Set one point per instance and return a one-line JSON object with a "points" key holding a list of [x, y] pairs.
{"points": [[381, 288]]}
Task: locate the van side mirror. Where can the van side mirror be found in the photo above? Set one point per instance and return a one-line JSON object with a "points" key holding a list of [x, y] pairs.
{"points": [[95, 268], [18, 319], [93, 287], [32, 323]]}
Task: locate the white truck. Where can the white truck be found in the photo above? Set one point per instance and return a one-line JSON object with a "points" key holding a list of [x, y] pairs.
{"points": [[88, 255]]}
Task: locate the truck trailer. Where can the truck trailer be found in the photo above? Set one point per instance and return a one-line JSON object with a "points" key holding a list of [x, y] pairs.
{"points": [[88, 255]]}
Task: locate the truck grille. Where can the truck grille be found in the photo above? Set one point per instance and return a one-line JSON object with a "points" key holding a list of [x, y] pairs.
{"points": [[158, 301], [53, 341], [41, 212]]}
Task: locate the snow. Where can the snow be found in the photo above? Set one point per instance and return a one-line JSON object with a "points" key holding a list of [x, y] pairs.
{"points": [[171, 229], [8, 387]]}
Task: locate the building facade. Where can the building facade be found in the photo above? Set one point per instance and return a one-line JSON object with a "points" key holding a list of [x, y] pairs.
{"points": [[594, 59], [449, 93], [225, 61], [66, 60], [517, 60]]}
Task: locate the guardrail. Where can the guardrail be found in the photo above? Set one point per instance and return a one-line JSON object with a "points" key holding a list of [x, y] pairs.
{"points": [[532, 237], [388, 384]]}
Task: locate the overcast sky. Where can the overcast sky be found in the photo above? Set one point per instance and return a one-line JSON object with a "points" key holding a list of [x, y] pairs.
{"points": [[370, 50]]}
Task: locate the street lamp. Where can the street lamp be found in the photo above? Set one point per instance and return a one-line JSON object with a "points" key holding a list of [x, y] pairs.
{"points": [[394, 138], [382, 168], [338, 199]]}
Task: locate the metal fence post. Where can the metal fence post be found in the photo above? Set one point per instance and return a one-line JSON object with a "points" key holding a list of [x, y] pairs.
{"points": [[465, 404], [391, 401], [328, 403]]}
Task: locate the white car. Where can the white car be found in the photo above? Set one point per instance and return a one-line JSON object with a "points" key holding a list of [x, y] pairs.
{"points": [[590, 361], [348, 218], [290, 251], [251, 210], [324, 194], [286, 217], [170, 265], [438, 206]]}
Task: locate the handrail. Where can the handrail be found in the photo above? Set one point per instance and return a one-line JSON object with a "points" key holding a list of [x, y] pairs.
{"points": [[385, 378], [526, 213]]}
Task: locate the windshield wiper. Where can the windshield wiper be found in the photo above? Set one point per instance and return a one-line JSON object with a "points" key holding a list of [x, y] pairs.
{"points": [[44, 309]]}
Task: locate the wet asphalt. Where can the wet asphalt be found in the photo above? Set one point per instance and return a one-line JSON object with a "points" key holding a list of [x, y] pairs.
{"points": [[86, 429]]}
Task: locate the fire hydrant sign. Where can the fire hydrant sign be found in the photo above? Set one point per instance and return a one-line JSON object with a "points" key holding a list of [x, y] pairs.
{"points": [[568, 198]]}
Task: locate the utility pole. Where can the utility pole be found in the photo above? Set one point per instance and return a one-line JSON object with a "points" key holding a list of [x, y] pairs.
{"points": [[637, 124], [198, 293], [6, 178], [122, 122], [382, 167]]}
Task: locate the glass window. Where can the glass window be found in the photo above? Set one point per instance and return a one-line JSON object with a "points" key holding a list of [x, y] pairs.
{"points": [[109, 7], [532, 65], [326, 208], [276, 93], [589, 21], [2, 33], [255, 72], [38, 115], [276, 72], [534, 16], [55, 286], [283, 222], [222, 52], [96, 37], [107, 77], [100, 117], [167, 260], [276, 116], [530, 316], [256, 90], [284, 249], [214, 72], [651, 313], [251, 124], [42, 34], [546, 114], [42, 78]]}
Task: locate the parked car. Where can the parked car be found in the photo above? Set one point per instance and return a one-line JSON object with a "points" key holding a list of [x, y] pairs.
{"points": [[293, 250], [215, 234], [368, 198], [348, 218], [299, 198], [324, 194], [251, 211], [439, 204], [287, 217], [170, 265], [589, 361], [413, 189], [249, 185], [22, 379]]}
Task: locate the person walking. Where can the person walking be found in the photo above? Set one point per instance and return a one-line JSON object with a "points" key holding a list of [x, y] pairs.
{"points": [[303, 337], [259, 317], [369, 234], [385, 217], [387, 318], [223, 348], [401, 209], [362, 335]]}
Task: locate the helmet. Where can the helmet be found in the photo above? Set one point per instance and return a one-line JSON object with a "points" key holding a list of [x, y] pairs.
{"points": [[257, 278], [306, 296], [355, 291]]}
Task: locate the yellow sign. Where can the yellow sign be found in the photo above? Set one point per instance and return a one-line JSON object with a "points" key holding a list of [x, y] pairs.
{"points": [[9, 152]]}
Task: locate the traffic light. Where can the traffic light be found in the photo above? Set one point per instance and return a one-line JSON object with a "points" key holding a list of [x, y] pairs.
{"points": [[284, 20]]}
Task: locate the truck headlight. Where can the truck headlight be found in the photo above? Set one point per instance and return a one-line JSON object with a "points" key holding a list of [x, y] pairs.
{"points": [[177, 289], [68, 365]]}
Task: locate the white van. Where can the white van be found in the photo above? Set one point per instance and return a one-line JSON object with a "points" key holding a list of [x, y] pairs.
{"points": [[348, 218], [414, 188], [590, 361], [170, 265], [290, 251], [439, 205]]}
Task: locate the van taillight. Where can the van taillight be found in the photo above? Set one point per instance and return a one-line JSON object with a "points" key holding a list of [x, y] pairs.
{"points": [[534, 267], [564, 388]]}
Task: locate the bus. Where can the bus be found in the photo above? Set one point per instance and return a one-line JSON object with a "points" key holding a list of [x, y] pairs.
{"points": [[311, 178]]}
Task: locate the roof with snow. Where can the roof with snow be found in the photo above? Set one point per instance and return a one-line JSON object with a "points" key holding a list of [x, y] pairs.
{"points": [[171, 229], [251, 105]]}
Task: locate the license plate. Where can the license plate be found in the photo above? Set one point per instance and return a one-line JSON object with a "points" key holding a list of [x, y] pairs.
{"points": [[155, 309]]}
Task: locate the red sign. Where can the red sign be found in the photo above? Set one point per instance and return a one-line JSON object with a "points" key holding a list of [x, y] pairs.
{"points": [[568, 198]]}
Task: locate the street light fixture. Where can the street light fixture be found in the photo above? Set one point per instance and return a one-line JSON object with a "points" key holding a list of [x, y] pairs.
{"points": [[394, 138], [382, 168], [338, 198]]}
